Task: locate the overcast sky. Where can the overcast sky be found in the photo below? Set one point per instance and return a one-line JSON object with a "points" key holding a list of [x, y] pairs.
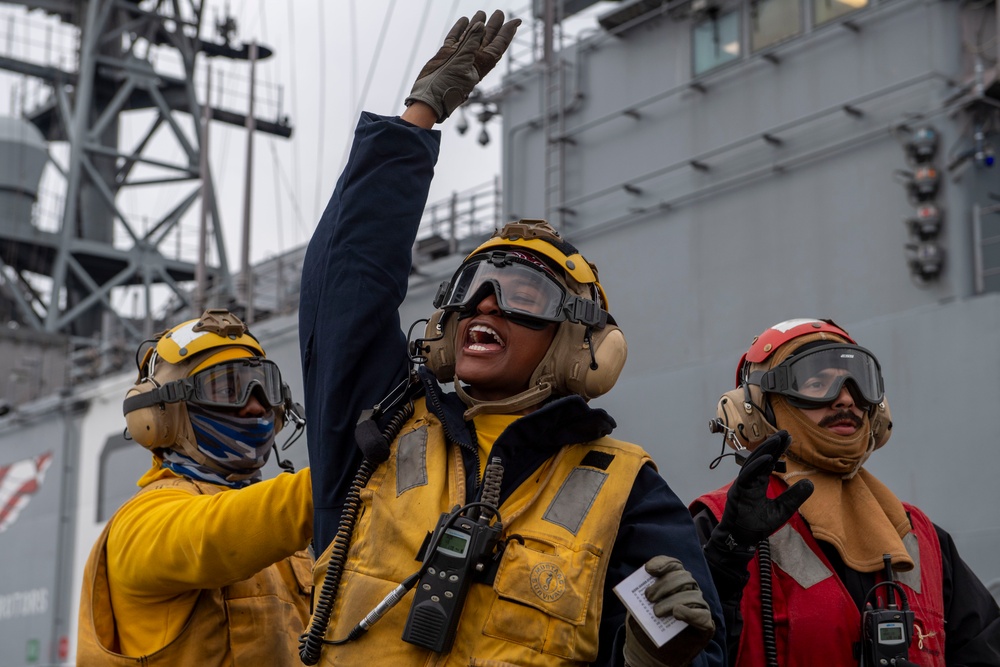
{"points": [[331, 58]]}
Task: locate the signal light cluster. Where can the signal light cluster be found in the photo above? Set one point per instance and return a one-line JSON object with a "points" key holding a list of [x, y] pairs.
{"points": [[924, 253]]}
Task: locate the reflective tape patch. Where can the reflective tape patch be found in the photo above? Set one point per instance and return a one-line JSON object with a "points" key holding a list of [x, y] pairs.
{"points": [[791, 553], [411, 460], [911, 578], [572, 503]]}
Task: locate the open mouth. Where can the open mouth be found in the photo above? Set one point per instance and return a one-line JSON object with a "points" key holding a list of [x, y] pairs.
{"points": [[481, 338]]}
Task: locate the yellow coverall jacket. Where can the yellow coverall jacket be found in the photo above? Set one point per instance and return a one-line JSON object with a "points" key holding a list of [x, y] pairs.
{"points": [[190, 573]]}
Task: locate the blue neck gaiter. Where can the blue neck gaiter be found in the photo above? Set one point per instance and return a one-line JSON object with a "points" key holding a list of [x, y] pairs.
{"points": [[238, 447]]}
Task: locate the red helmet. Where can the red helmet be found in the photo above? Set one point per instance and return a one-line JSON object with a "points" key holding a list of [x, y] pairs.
{"points": [[792, 373], [765, 344]]}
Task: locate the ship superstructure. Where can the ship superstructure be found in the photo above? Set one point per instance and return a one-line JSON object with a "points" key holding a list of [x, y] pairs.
{"points": [[732, 164], [728, 164]]}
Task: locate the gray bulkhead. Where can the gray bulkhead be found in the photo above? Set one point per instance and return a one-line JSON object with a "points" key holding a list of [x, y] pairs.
{"points": [[771, 188]]}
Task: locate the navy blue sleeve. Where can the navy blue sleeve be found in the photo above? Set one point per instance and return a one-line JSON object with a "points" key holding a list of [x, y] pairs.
{"points": [[971, 615], [354, 278], [655, 522]]}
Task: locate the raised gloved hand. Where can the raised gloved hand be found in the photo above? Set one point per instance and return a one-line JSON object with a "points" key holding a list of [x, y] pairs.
{"points": [[470, 51], [750, 516], [674, 593]]}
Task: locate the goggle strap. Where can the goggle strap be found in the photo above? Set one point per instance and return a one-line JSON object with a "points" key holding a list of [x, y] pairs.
{"points": [[771, 381], [442, 292], [757, 378], [585, 311], [172, 392]]}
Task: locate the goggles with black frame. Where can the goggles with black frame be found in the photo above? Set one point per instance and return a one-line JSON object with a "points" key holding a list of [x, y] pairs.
{"points": [[526, 293], [815, 378], [225, 385]]}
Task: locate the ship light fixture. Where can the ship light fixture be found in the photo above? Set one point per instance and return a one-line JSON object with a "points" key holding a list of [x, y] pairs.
{"points": [[922, 145], [926, 221], [924, 254]]}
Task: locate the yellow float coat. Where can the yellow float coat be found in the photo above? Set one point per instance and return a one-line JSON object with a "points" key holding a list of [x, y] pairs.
{"points": [[544, 605]]}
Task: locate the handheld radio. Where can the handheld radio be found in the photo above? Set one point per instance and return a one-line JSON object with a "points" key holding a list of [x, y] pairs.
{"points": [[886, 633], [457, 552]]}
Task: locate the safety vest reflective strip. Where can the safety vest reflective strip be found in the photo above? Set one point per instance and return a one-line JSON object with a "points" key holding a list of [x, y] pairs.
{"points": [[545, 603], [816, 620]]}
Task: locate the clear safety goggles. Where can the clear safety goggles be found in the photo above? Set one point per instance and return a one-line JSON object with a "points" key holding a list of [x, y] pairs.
{"points": [[525, 292], [229, 384], [816, 377]]}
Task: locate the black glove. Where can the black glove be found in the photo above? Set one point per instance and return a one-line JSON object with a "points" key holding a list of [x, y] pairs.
{"points": [[470, 51], [750, 516], [674, 593]]}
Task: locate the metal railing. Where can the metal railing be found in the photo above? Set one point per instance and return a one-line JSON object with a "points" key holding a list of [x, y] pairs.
{"points": [[472, 213], [985, 249]]}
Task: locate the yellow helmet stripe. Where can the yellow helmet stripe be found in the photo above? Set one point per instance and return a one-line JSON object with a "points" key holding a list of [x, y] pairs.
{"points": [[575, 265]]}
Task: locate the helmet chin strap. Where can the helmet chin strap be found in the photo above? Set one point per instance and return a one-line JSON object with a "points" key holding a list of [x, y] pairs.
{"points": [[509, 405]]}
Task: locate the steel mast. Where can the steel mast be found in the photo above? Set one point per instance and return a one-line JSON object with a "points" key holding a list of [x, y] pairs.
{"points": [[119, 44]]}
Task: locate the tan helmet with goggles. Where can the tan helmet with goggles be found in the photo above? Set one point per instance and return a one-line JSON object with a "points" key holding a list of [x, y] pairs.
{"points": [[807, 362], [213, 361], [537, 278]]}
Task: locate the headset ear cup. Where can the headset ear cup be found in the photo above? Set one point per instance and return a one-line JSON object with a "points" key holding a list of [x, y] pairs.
{"points": [[730, 410], [750, 425], [154, 426], [610, 353], [568, 363], [881, 421], [439, 345]]}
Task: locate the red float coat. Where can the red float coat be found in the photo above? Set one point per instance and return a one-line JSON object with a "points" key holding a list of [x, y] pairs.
{"points": [[815, 619]]}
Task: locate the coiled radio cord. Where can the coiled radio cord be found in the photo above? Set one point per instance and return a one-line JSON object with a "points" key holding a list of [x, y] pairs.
{"points": [[766, 604], [311, 641]]}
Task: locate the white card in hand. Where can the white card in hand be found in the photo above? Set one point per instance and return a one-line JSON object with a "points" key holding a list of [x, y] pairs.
{"points": [[630, 591]]}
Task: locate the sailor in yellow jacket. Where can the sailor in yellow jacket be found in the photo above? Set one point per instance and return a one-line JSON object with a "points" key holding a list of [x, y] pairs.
{"points": [[488, 524], [204, 565]]}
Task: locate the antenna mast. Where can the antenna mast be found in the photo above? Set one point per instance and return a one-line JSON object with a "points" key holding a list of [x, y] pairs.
{"points": [[120, 46]]}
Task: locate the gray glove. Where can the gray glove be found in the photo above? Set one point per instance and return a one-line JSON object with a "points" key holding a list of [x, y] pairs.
{"points": [[470, 51], [674, 593]]}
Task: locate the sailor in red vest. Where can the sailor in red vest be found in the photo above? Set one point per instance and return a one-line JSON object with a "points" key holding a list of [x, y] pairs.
{"points": [[815, 560]]}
